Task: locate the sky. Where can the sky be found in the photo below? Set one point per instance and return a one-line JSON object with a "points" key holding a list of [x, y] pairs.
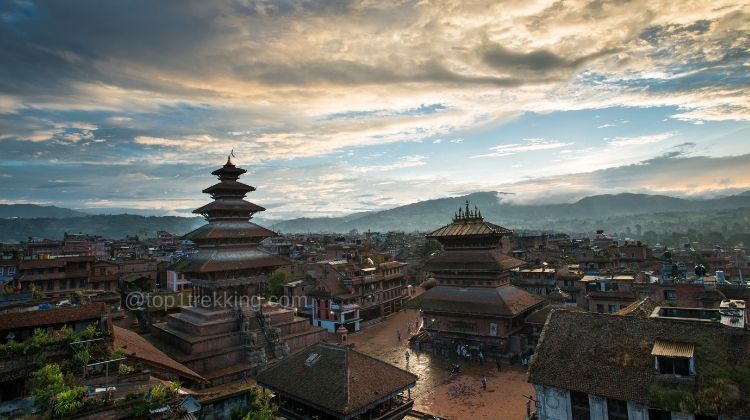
{"points": [[336, 107]]}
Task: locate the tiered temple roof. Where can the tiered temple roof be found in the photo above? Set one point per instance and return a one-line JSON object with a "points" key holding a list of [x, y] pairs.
{"points": [[469, 230], [229, 242]]}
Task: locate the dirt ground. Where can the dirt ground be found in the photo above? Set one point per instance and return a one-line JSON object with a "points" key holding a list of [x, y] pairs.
{"points": [[455, 398]]}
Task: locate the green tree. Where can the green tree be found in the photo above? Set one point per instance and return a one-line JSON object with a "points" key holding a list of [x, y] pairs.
{"points": [[69, 401], [259, 407], [276, 282], [46, 383]]}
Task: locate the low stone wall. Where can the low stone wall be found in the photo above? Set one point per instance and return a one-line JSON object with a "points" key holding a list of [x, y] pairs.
{"points": [[300, 341]]}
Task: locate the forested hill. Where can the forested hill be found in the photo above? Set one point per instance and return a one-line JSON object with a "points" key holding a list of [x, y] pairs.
{"points": [[109, 226], [496, 207], [636, 213], [31, 211]]}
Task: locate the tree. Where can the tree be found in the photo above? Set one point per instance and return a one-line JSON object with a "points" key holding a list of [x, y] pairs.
{"points": [[258, 407], [46, 383], [276, 282]]}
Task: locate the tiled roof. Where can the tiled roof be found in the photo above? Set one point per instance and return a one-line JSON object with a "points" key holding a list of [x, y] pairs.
{"points": [[230, 205], [53, 316], [641, 308], [229, 185], [339, 381], [230, 230], [469, 227], [136, 347], [476, 259], [610, 355], [209, 260], [392, 264], [503, 301]]}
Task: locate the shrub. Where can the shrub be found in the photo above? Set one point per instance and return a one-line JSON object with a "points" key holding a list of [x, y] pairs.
{"points": [[124, 370], [69, 401], [45, 383]]}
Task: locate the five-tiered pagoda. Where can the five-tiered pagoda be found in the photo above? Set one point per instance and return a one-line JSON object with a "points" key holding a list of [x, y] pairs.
{"points": [[223, 335], [229, 263]]}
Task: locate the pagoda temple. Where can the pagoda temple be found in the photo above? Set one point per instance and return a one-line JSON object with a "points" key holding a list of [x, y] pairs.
{"points": [[473, 306], [229, 263], [228, 331]]}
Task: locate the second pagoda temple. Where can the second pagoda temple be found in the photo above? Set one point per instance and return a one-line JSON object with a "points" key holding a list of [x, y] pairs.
{"points": [[473, 307]]}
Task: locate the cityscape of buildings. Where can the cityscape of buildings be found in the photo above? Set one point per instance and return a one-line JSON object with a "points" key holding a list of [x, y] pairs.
{"points": [[233, 318], [375, 210]]}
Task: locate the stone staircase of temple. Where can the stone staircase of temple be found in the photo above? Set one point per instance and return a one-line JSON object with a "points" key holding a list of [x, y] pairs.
{"points": [[259, 337], [252, 337], [276, 345]]}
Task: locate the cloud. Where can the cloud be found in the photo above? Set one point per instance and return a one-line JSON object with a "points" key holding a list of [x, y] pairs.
{"points": [[528, 145], [104, 81], [402, 163], [636, 141]]}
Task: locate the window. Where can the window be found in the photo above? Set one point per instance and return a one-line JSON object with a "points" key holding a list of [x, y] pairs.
{"points": [[617, 409], [579, 404], [600, 308], [657, 414], [670, 295], [673, 365], [612, 309], [11, 271]]}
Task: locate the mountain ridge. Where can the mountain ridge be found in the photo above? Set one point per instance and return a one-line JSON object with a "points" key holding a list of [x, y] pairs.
{"points": [[586, 214]]}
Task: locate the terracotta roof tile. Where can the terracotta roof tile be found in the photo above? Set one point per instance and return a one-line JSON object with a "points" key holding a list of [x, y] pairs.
{"points": [[466, 227], [340, 381], [53, 316], [503, 301], [136, 347]]}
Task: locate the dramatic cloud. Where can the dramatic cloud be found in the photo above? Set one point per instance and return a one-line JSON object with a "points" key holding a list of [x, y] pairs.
{"points": [[108, 87]]}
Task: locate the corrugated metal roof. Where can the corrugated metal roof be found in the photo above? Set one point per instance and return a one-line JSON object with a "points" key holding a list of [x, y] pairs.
{"points": [[672, 349]]}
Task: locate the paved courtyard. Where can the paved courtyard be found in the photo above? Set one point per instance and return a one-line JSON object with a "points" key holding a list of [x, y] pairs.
{"points": [[458, 397]]}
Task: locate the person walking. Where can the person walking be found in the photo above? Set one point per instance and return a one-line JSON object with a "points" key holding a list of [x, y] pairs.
{"points": [[481, 357], [398, 334], [499, 364], [484, 383], [407, 356]]}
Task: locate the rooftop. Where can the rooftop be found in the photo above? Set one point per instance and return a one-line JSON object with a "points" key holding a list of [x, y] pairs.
{"points": [[502, 301], [52, 316], [336, 380], [612, 356]]}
